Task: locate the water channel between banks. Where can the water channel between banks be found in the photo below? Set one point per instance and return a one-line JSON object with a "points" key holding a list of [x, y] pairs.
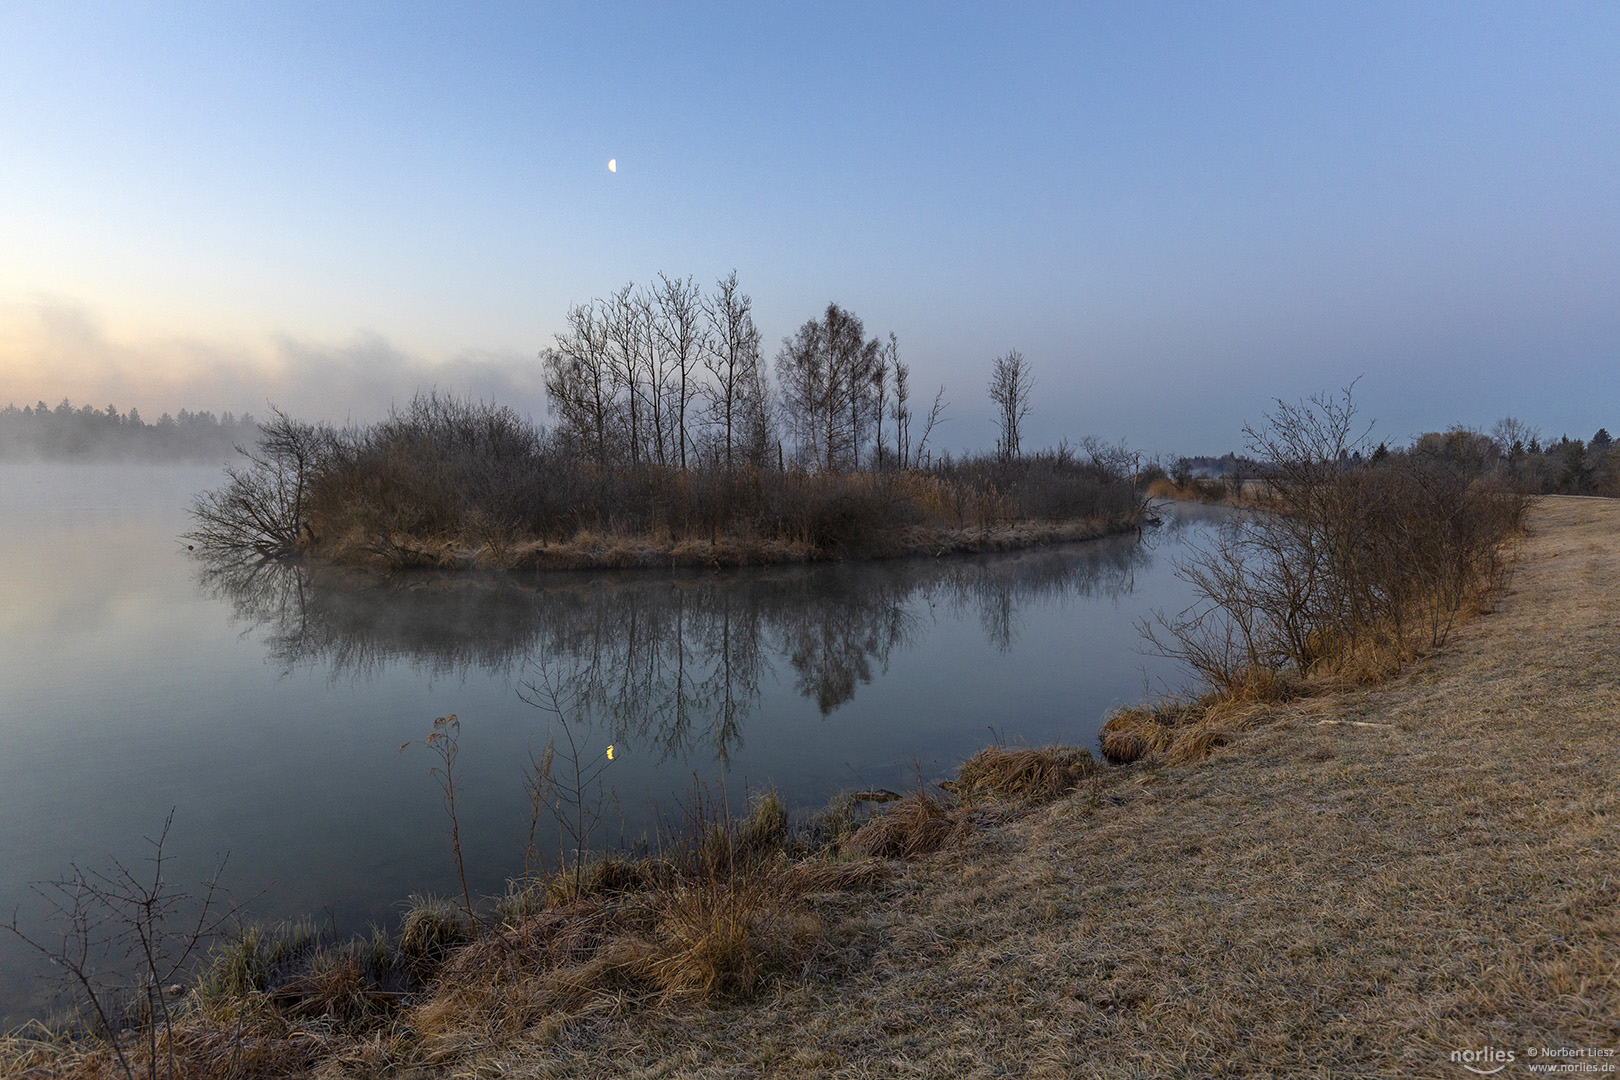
{"points": [[267, 705]]}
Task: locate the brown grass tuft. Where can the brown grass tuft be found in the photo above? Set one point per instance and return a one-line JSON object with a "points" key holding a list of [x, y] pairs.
{"points": [[1027, 773], [916, 825], [1195, 745], [1180, 732], [1133, 734], [433, 929], [1263, 686], [719, 936], [700, 932]]}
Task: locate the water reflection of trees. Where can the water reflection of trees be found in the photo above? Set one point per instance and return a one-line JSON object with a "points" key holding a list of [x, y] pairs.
{"points": [[675, 659]]}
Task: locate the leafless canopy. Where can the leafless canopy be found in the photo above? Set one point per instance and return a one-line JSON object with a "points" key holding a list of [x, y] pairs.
{"points": [[626, 379], [1011, 385], [262, 509], [1354, 560], [826, 369]]}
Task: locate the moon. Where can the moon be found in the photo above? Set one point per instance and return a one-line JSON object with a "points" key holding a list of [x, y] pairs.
{"points": [[613, 164]]}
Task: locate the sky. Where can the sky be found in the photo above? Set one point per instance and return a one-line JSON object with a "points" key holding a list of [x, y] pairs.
{"points": [[1178, 212]]}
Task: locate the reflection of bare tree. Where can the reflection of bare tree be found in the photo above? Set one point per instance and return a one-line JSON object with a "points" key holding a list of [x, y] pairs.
{"points": [[846, 620], [674, 660], [999, 587]]}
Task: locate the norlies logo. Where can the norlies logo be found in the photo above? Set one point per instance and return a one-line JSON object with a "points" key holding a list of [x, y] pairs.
{"points": [[1484, 1061]]}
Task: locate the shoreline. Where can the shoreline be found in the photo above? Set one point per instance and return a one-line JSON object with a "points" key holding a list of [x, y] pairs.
{"points": [[1363, 879], [593, 551]]}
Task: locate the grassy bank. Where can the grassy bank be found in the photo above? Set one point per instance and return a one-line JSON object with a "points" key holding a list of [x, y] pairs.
{"points": [[1360, 880], [590, 549], [446, 483]]}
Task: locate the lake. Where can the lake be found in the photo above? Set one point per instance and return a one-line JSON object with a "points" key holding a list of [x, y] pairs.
{"points": [[267, 706]]}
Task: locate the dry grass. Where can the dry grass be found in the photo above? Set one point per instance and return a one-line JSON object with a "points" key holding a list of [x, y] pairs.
{"points": [[1198, 490], [1180, 732], [203, 1051], [693, 937], [590, 549], [918, 824], [1025, 773]]}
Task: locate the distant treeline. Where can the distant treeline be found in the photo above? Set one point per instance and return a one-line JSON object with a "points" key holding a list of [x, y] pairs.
{"points": [[41, 433], [1511, 451]]}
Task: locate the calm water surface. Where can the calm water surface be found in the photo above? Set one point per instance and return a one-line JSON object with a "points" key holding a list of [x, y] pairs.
{"points": [[267, 706]]}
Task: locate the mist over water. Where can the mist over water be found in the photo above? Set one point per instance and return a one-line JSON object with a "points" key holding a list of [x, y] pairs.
{"points": [[267, 703]]}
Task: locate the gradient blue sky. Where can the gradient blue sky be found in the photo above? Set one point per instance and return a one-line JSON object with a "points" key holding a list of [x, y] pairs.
{"points": [[1176, 211]]}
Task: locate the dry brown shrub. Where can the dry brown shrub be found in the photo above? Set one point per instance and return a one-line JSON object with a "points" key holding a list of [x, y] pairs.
{"points": [[1163, 488], [916, 825], [1198, 490], [1026, 773]]}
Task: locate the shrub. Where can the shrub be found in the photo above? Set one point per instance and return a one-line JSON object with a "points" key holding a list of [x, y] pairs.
{"points": [[1348, 561]]}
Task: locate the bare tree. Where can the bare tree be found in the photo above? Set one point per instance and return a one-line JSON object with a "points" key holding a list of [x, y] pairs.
{"points": [[626, 337], [880, 392], [801, 368], [679, 331], [862, 396], [1514, 437], [579, 378], [936, 415], [826, 370], [656, 378], [900, 411], [731, 354], [263, 509], [759, 422], [1010, 386]]}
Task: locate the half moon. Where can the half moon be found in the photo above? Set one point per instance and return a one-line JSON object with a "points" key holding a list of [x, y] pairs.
{"points": [[613, 164]]}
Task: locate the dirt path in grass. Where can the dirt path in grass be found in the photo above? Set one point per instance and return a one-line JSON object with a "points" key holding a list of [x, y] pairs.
{"points": [[1434, 869]]}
